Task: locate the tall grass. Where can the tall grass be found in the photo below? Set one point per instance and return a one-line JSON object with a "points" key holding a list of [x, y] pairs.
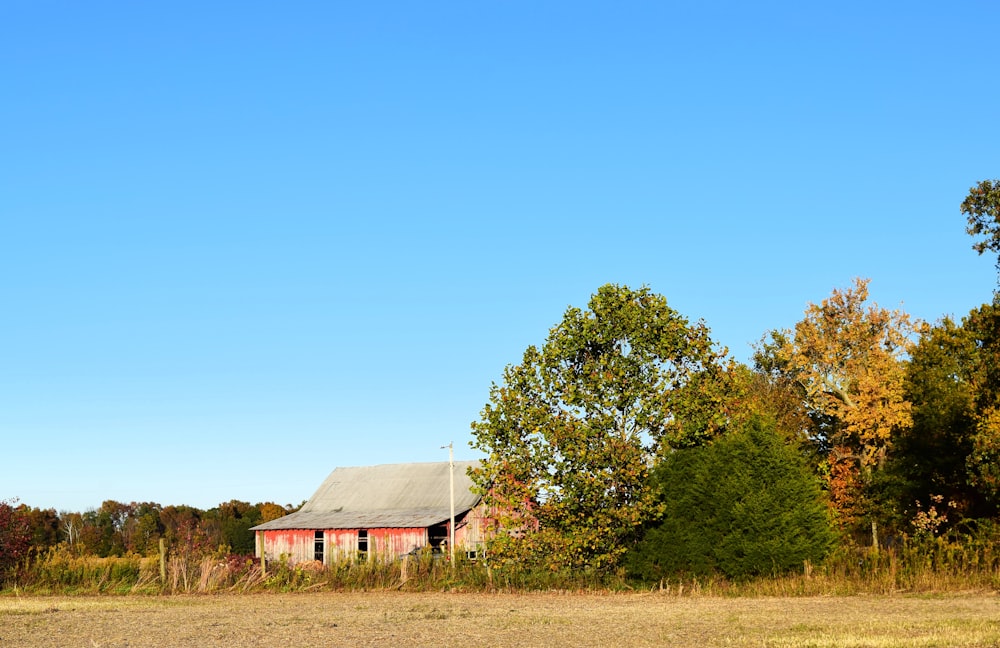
{"points": [[928, 565], [971, 563], [60, 571]]}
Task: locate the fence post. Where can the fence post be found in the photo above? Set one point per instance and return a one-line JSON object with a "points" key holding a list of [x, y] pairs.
{"points": [[263, 557], [163, 562]]}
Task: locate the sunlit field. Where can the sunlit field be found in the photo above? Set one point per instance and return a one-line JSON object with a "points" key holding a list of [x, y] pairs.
{"points": [[502, 620]]}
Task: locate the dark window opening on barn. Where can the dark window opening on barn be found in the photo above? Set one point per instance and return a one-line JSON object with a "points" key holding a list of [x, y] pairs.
{"points": [[437, 537], [318, 547], [363, 543]]}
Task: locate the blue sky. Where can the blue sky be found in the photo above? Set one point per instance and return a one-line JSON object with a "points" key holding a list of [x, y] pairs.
{"points": [[245, 243]]}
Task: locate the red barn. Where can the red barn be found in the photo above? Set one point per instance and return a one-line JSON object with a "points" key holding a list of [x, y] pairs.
{"points": [[384, 511]]}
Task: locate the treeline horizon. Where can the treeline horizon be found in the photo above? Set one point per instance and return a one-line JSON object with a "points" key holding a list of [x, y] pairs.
{"points": [[118, 528]]}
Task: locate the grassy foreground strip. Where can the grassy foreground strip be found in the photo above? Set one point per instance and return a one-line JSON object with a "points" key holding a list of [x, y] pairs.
{"points": [[531, 619]]}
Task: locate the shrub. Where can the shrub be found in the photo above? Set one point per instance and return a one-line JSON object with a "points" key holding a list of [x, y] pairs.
{"points": [[746, 505]]}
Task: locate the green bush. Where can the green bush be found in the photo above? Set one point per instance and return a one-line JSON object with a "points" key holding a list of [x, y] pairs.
{"points": [[746, 505]]}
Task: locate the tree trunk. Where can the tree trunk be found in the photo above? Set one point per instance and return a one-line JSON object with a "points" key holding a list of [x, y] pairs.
{"points": [[874, 536]]}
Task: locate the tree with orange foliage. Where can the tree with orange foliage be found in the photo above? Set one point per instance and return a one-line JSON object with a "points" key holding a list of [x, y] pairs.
{"points": [[271, 511], [848, 355]]}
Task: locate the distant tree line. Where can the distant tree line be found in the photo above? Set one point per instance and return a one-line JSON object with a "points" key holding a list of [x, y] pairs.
{"points": [[118, 529]]}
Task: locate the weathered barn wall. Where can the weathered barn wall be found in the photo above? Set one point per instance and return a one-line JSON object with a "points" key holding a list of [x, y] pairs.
{"points": [[341, 543], [392, 543], [298, 545], [470, 530]]}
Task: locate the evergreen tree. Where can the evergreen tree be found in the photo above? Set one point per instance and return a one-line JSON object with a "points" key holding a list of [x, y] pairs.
{"points": [[742, 506]]}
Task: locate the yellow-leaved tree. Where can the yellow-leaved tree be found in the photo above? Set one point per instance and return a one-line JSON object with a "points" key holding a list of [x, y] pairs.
{"points": [[849, 357]]}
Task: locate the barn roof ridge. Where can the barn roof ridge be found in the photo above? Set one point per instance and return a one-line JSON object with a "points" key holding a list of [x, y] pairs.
{"points": [[383, 496]]}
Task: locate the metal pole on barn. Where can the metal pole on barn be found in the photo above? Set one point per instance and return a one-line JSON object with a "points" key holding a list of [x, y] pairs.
{"points": [[451, 481]]}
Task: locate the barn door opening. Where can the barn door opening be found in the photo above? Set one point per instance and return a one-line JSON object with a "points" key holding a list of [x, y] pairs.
{"points": [[437, 537]]}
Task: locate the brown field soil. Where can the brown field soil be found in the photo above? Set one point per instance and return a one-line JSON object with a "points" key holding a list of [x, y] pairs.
{"points": [[473, 620]]}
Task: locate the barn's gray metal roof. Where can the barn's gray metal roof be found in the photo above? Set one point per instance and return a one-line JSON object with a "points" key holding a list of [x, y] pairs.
{"points": [[387, 496]]}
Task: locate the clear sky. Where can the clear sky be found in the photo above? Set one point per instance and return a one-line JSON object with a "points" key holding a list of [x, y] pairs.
{"points": [[243, 243]]}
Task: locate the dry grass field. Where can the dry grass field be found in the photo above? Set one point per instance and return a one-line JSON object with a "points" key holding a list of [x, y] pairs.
{"points": [[501, 620]]}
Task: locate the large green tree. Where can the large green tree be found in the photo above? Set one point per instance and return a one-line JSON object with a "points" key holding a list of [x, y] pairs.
{"points": [[952, 450], [982, 209], [982, 325], [949, 452], [571, 432]]}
